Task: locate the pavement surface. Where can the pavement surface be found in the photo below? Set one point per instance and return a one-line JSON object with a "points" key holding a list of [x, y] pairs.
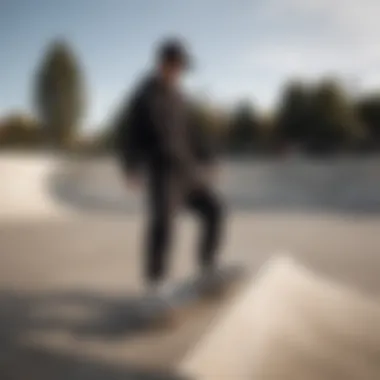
{"points": [[67, 284]]}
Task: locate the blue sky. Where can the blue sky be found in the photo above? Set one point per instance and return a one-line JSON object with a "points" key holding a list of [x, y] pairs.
{"points": [[243, 48]]}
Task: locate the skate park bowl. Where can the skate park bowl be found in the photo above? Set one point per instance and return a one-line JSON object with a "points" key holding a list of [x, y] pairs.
{"points": [[306, 230], [341, 185]]}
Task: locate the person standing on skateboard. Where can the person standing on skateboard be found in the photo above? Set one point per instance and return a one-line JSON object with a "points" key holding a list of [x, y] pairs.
{"points": [[160, 148]]}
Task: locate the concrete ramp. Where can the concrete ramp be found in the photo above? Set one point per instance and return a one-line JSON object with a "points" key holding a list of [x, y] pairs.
{"points": [[290, 324]]}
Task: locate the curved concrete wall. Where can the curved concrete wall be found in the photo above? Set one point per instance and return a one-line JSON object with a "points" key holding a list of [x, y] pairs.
{"points": [[342, 185], [24, 190], [46, 185]]}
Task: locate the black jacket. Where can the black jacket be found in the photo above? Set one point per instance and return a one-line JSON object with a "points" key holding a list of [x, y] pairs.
{"points": [[155, 129]]}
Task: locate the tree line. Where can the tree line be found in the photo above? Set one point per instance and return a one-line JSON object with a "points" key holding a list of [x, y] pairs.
{"points": [[319, 118]]}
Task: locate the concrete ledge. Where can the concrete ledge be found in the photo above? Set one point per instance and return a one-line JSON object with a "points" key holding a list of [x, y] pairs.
{"points": [[289, 324]]}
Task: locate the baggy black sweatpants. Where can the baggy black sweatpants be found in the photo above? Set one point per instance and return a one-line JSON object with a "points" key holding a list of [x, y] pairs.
{"points": [[167, 196]]}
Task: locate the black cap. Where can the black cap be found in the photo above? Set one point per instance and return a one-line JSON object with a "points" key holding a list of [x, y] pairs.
{"points": [[173, 50]]}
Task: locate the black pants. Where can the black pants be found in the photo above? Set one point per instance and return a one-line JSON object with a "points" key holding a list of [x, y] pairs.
{"points": [[166, 197]]}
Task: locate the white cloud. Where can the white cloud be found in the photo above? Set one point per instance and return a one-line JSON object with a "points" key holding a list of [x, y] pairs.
{"points": [[311, 38]]}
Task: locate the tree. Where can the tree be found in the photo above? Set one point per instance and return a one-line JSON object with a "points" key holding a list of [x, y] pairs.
{"points": [[333, 120], [19, 131], [368, 111], [100, 142], [294, 114], [59, 94], [320, 118], [244, 128], [208, 121]]}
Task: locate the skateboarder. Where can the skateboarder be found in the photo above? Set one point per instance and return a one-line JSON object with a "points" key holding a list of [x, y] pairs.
{"points": [[159, 148]]}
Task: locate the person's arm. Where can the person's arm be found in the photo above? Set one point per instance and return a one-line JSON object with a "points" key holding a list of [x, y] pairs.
{"points": [[128, 142]]}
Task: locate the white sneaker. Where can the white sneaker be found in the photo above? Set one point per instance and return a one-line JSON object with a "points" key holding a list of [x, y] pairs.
{"points": [[157, 297], [209, 281]]}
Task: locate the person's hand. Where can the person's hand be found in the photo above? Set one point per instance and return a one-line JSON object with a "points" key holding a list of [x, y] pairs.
{"points": [[134, 182], [212, 173]]}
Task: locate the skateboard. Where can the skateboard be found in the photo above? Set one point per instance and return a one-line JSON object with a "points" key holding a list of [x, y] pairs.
{"points": [[187, 300], [191, 296]]}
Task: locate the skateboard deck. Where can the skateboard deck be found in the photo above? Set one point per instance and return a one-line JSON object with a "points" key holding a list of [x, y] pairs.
{"points": [[187, 299], [191, 296]]}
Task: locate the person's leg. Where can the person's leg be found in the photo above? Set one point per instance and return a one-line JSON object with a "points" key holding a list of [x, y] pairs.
{"points": [[161, 207], [157, 243], [209, 207]]}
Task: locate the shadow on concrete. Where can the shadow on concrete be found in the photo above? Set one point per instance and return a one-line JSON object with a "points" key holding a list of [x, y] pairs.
{"points": [[342, 187], [82, 315], [91, 318]]}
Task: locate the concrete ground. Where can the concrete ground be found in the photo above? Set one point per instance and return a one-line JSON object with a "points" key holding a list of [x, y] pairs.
{"points": [[65, 283]]}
